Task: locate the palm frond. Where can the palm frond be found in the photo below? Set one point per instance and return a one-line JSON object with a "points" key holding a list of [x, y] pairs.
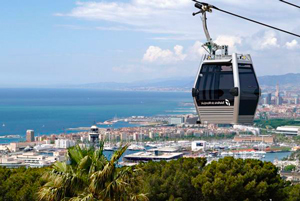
{"points": [[84, 164], [83, 197], [89, 177], [139, 197], [60, 167], [75, 154], [118, 154]]}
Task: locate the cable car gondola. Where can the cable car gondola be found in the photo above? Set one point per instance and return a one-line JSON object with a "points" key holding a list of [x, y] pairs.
{"points": [[226, 90]]}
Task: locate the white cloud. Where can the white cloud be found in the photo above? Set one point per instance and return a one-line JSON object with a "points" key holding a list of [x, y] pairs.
{"points": [[155, 54], [193, 53], [196, 51], [174, 17], [163, 3], [292, 45], [171, 20], [269, 42], [231, 41], [109, 11], [155, 16], [115, 28], [263, 40], [179, 53]]}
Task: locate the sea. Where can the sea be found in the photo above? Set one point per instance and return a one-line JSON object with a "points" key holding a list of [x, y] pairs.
{"points": [[54, 111], [270, 157]]}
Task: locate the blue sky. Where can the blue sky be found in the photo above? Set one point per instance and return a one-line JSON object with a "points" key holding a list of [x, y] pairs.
{"points": [[74, 42]]}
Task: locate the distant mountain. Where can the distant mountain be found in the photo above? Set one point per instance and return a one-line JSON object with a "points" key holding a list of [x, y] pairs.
{"points": [[184, 84], [287, 79], [176, 83]]}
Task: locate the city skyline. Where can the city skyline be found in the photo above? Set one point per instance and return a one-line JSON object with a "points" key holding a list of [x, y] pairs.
{"points": [[78, 42]]}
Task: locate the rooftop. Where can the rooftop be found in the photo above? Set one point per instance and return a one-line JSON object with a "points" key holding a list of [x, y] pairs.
{"points": [[146, 156]]}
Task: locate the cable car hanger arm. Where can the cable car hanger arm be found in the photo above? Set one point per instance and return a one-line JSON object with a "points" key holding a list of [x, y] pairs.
{"points": [[209, 46], [239, 16], [203, 9]]}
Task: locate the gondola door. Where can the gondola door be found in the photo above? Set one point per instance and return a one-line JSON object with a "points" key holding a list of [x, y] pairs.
{"points": [[214, 94], [250, 93]]}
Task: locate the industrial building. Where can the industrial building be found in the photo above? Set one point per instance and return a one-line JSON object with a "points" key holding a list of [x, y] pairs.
{"points": [[251, 138], [288, 130]]}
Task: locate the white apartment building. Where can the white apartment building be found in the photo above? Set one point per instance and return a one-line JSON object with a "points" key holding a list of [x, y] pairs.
{"points": [[64, 143], [198, 145]]}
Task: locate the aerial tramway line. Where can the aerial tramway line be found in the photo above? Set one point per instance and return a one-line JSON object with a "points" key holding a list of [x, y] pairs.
{"points": [[226, 89]]}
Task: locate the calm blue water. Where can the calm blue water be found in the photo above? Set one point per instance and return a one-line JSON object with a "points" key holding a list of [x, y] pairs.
{"points": [[49, 111], [272, 156]]}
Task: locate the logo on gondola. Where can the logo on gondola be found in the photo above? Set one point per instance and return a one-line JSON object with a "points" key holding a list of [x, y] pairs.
{"points": [[227, 102]]}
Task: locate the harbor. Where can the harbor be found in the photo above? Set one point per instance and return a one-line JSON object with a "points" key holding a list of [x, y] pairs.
{"points": [[172, 139]]}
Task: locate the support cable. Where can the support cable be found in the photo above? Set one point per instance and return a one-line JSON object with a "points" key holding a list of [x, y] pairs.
{"points": [[245, 18], [290, 3]]}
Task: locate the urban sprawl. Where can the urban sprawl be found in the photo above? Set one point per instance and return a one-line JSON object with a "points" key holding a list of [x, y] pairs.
{"points": [[172, 137]]}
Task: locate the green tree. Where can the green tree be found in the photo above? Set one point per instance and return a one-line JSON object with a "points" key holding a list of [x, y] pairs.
{"points": [[170, 180], [237, 179], [289, 168], [89, 176], [20, 184], [294, 193]]}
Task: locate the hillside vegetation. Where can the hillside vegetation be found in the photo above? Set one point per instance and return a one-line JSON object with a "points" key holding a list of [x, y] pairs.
{"points": [[90, 176]]}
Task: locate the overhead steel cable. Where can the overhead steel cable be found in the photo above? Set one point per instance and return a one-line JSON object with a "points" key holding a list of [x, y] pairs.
{"points": [[254, 21], [291, 4], [248, 19]]}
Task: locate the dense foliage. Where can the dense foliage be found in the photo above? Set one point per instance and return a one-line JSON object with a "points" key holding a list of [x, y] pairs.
{"points": [[226, 179], [88, 175], [20, 184], [230, 179], [171, 180], [274, 123], [294, 193], [289, 168]]}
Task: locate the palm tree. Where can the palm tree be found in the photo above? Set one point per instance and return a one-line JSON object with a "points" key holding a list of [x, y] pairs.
{"points": [[88, 175]]}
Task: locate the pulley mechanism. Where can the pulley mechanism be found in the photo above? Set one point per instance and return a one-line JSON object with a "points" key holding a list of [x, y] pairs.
{"points": [[209, 46]]}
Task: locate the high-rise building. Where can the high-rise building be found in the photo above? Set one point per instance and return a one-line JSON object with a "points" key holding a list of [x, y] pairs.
{"points": [[266, 98], [277, 90], [269, 98], [278, 100], [136, 136], [30, 136], [124, 137], [297, 100]]}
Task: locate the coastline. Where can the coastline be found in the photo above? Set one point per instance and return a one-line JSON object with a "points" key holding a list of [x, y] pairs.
{"points": [[51, 111]]}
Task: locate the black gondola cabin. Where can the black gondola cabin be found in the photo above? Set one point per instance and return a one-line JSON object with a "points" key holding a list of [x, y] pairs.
{"points": [[226, 90]]}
